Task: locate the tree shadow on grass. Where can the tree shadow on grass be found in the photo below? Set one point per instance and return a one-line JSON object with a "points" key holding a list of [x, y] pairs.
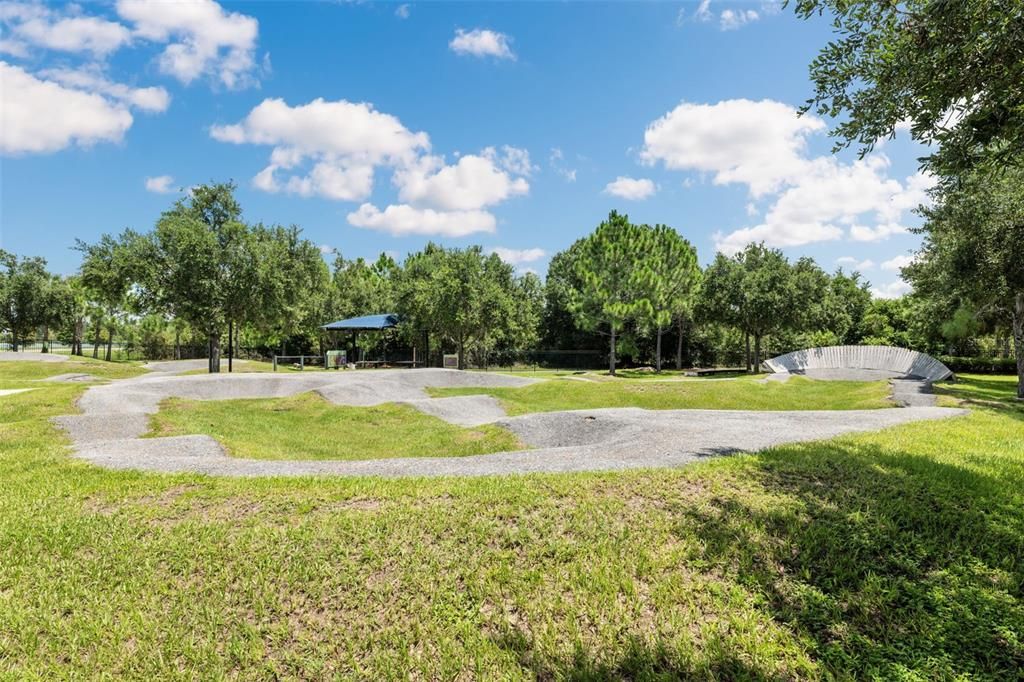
{"points": [[638, 661], [890, 563]]}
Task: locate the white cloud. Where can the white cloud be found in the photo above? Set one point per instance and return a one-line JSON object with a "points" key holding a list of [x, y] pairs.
{"points": [[333, 150], [556, 160], [774, 234], [730, 20], [402, 11], [91, 79], [854, 264], [160, 184], [473, 182], [896, 263], [37, 24], [703, 12], [891, 290], [512, 159], [518, 256], [761, 144], [203, 39], [633, 189], [403, 219], [832, 196], [34, 115], [327, 249], [864, 233], [764, 146], [481, 43], [345, 141]]}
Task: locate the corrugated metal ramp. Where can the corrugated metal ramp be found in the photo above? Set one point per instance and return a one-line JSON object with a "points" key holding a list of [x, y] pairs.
{"points": [[901, 361]]}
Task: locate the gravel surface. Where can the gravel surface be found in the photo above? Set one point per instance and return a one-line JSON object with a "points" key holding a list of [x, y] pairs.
{"points": [[116, 414], [592, 440], [31, 356], [179, 366]]}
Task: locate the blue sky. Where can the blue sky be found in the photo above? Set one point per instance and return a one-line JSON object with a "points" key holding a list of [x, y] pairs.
{"points": [[379, 126]]}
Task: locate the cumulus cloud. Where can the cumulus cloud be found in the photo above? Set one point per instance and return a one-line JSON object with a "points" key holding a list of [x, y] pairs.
{"points": [[34, 115], [518, 256], [36, 24], [91, 79], [343, 140], [161, 184], [472, 182], [891, 290], [481, 42], [333, 149], [761, 144], [854, 264], [402, 219], [202, 38], [633, 189], [897, 263], [730, 20], [880, 232]]}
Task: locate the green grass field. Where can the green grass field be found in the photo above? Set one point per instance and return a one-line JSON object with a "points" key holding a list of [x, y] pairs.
{"points": [[894, 555], [743, 393], [306, 426]]}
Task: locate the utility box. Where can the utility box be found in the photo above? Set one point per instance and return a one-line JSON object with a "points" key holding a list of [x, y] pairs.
{"points": [[336, 359], [450, 361]]}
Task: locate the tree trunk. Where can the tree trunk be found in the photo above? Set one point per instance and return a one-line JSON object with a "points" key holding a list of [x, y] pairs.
{"points": [[177, 344], [231, 346], [1018, 341], [214, 353], [14, 342], [462, 353], [679, 347], [746, 336], [757, 353], [76, 342], [96, 344], [658, 352], [611, 353], [46, 340], [110, 342]]}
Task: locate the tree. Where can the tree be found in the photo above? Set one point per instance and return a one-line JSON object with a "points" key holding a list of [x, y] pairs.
{"points": [[106, 272], [953, 70], [24, 295], [761, 293], [671, 276], [610, 280], [973, 250], [202, 264], [846, 301], [461, 295]]}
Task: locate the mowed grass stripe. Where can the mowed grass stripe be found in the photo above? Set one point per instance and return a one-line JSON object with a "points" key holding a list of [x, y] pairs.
{"points": [[306, 426], [743, 393]]}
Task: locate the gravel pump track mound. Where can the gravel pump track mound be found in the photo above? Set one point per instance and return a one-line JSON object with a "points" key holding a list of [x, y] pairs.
{"points": [[116, 415]]}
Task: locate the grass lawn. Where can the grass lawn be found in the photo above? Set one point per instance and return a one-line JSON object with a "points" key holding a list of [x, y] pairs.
{"points": [[19, 372], [744, 393], [894, 555], [306, 426]]}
